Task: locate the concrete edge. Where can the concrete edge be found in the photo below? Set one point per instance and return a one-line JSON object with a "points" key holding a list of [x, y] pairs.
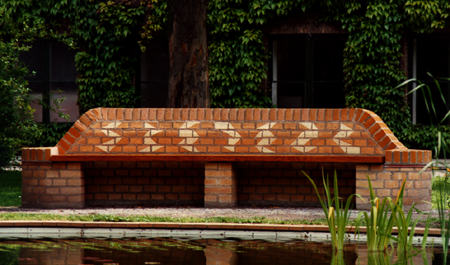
{"points": [[190, 226]]}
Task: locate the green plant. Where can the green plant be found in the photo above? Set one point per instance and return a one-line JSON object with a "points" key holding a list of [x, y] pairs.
{"points": [[423, 136], [441, 148], [381, 220], [106, 59], [237, 47], [437, 133], [337, 258], [440, 186], [405, 231], [442, 206], [16, 124], [238, 60], [148, 218], [336, 212], [49, 133], [108, 37], [379, 258]]}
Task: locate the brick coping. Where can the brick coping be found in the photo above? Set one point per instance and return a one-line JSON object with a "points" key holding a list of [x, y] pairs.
{"points": [[368, 119], [222, 158], [202, 226], [145, 134]]}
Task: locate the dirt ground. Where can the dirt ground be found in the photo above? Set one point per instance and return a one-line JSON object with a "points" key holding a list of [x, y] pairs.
{"points": [[269, 213]]}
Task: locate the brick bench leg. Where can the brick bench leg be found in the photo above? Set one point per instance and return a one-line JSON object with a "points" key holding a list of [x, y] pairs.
{"points": [[387, 180], [220, 185], [52, 185]]}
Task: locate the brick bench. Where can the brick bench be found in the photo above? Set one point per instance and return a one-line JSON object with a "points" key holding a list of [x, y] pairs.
{"points": [[219, 158]]}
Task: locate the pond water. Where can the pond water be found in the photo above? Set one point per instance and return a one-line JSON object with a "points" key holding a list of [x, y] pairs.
{"points": [[206, 251]]}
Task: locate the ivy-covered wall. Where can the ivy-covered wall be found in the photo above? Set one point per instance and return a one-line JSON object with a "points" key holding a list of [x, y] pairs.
{"points": [[238, 58], [108, 36]]}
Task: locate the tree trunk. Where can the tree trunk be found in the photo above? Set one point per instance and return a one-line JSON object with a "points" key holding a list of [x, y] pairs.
{"points": [[188, 58]]}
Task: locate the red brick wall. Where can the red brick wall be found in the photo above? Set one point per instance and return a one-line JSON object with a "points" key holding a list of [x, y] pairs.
{"points": [[267, 132], [387, 179], [144, 183], [284, 184], [52, 185], [247, 157], [47, 184], [181, 183]]}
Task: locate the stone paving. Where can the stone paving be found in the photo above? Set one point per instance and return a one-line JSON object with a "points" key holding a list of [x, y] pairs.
{"points": [[269, 213]]}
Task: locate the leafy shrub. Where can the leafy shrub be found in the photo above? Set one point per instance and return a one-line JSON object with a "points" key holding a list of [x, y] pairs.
{"points": [[425, 136], [16, 123], [49, 134]]}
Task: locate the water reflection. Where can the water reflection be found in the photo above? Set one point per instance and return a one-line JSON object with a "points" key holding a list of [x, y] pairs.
{"points": [[198, 252], [416, 257], [220, 256]]}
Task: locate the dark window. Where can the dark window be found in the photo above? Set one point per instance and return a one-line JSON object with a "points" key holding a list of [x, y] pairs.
{"points": [[154, 74], [52, 81], [433, 56], [309, 70]]}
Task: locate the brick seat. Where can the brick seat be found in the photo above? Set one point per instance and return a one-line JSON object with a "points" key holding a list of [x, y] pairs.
{"points": [[218, 157]]}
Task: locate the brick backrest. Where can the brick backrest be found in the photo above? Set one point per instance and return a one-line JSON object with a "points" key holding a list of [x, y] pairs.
{"points": [[328, 135]]}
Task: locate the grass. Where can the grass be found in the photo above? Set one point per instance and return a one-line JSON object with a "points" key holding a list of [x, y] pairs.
{"points": [[10, 188], [149, 218]]}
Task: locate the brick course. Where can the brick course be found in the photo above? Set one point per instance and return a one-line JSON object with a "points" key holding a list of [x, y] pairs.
{"points": [[144, 183], [100, 159], [48, 184], [331, 132], [387, 179], [285, 185]]}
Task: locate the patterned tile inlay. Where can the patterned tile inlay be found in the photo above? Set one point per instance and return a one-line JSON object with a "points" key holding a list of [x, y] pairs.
{"points": [[228, 137]]}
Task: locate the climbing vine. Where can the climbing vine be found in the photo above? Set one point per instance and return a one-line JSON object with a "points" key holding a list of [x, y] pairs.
{"points": [[371, 64], [109, 34], [237, 55], [108, 37], [372, 60]]}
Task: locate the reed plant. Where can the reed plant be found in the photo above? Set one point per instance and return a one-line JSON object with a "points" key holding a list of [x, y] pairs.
{"points": [[336, 211], [381, 219], [441, 148], [406, 228], [337, 258], [443, 208], [379, 258]]}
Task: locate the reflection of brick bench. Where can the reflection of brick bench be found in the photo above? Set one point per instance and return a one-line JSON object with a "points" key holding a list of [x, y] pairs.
{"points": [[219, 157]]}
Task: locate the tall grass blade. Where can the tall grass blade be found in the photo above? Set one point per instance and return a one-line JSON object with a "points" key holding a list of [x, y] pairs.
{"points": [[425, 234], [382, 219], [441, 148], [406, 82], [416, 88], [336, 211]]}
